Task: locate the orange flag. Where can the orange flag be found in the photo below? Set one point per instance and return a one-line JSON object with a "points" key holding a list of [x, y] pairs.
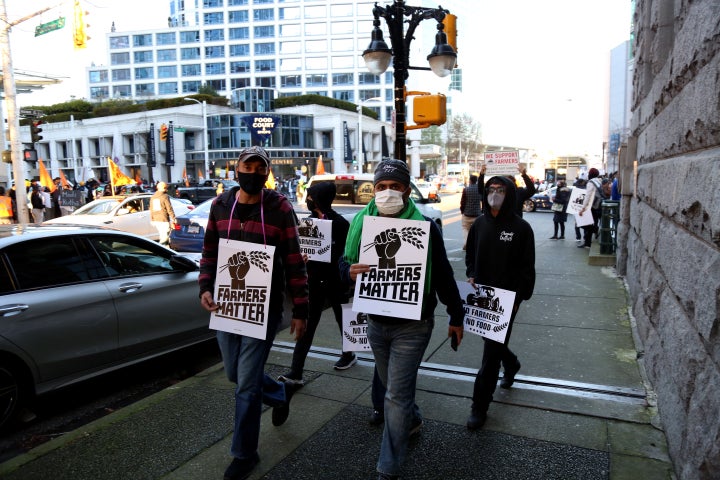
{"points": [[63, 180], [187, 182], [200, 174], [45, 178], [270, 182], [118, 178], [320, 169]]}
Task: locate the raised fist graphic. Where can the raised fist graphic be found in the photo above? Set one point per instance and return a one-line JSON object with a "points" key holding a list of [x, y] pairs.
{"points": [[238, 267], [387, 244]]}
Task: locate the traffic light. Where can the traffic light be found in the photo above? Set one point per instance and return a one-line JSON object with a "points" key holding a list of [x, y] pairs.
{"points": [[163, 132], [450, 24], [30, 155], [35, 131], [7, 156], [429, 110], [80, 37]]}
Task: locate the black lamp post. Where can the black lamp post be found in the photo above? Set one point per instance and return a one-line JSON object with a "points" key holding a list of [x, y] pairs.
{"points": [[377, 56]]}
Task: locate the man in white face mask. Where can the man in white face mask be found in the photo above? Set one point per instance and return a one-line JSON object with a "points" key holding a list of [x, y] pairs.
{"points": [[400, 342]]}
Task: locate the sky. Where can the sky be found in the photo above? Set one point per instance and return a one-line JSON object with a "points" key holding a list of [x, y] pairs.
{"points": [[535, 72]]}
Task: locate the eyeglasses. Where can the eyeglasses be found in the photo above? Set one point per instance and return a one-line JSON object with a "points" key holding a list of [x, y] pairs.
{"points": [[500, 190]]}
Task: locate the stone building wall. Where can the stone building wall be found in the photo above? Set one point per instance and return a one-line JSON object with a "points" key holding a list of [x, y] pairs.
{"points": [[670, 229]]}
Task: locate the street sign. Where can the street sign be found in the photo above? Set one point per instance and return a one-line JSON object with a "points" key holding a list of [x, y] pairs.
{"points": [[44, 28], [26, 112], [179, 129]]}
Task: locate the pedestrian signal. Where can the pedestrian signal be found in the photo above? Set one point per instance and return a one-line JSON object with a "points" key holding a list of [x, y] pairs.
{"points": [[429, 110]]}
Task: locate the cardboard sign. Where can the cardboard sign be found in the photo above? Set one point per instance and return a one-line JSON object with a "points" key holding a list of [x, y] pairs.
{"points": [[487, 310], [242, 288], [501, 163], [396, 251], [577, 197], [316, 238], [354, 330]]}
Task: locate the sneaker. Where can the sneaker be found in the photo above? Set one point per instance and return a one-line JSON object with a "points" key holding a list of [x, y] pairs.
{"points": [[561, 238], [416, 426], [240, 469], [553, 237], [347, 360], [292, 379], [377, 417], [509, 376], [280, 413], [476, 420]]}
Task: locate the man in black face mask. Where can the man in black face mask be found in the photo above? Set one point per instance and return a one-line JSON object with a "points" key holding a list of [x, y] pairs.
{"points": [[500, 253], [251, 213]]}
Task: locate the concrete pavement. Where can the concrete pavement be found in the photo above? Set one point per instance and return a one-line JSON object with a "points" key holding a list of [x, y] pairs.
{"points": [[579, 409]]}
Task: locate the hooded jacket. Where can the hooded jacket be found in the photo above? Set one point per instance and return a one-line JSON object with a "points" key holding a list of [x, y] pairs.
{"points": [[275, 225], [501, 250]]}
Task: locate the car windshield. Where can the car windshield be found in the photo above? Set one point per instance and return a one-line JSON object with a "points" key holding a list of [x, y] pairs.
{"points": [[203, 209], [97, 207]]}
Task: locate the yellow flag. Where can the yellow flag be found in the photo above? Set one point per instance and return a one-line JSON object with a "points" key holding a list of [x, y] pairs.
{"points": [[118, 178], [45, 178], [270, 182]]}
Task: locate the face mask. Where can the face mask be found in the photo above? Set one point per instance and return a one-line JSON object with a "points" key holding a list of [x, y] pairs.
{"points": [[389, 202], [495, 200], [310, 205], [252, 183]]}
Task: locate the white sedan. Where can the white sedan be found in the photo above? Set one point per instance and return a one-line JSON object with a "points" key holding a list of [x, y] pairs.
{"points": [[126, 213]]}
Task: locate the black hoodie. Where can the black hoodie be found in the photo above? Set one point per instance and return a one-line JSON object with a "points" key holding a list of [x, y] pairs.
{"points": [[501, 250]]}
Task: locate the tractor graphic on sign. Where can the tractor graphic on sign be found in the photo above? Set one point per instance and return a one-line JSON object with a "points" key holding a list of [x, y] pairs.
{"points": [[307, 228], [484, 297]]}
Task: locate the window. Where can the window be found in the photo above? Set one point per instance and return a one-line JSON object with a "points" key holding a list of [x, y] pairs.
{"points": [[239, 67], [119, 58], [347, 95], [145, 56], [291, 81], [264, 65], [167, 88], [167, 38], [315, 29], [343, 79], [365, 94], [368, 79], [191, 87], [122, 91], [342, 62], [237, 3], [144, 40], [343, 45], [290, 64], [266, 31], [121, 75], [266, 82], [99, 92], [215, 52], [341, 28], [217, 85], [212, 3], [315, 12], [190, 53], [119, 42], [289, 48], [289, 13], [168, 71], [215, 68], [142, 89], [214, 35], [166, 55], [143, 73], [263, 14], [240, 50], [190, 70], [290, 30], [214, 18], [317, 63], [238, 16], [239, 83], [239, 33], [316, 46], [264, 48], [190, 37], [128, 257], [316, 80], [98, 76]]}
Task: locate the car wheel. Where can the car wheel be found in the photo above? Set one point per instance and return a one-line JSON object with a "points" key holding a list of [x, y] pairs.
{"points": [[528, 206], [12, 394]]}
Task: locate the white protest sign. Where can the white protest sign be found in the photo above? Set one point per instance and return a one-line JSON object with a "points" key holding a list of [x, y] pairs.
{"points": [[487, 310], [242, 288], [316, 238], [396, 251], [577, 197], [354, 330], [501, 163]]}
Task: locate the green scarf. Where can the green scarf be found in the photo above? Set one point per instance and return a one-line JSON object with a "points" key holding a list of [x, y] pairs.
{"points": [[352, 245]]}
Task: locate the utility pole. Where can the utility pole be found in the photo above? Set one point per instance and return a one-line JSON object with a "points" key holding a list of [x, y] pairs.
{"points": [[13, 117]]}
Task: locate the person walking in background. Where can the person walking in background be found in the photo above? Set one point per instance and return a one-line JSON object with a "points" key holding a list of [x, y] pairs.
{"points": [[522, 193], [162, 215], [6, 208], [560, 203], [55, 195], [323, 281], [251, 213], [615, 187], [470, 205], [37, 203], [398, 344], [220, 189], [501, 254], [580, 183], [592, 202]]}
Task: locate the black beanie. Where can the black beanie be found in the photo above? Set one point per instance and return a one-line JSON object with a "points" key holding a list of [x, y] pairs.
{"points": [[392, 169]]}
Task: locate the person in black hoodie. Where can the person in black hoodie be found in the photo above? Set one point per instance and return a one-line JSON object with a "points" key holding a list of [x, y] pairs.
{"points": [[323, 282], [500, 253]]}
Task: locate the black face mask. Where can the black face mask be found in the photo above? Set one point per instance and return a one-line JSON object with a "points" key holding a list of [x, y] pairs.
{"points": [[252, 183], [310, 205]]}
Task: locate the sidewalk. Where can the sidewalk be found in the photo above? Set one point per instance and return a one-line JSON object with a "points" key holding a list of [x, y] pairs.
{"points": [[578, 409]]}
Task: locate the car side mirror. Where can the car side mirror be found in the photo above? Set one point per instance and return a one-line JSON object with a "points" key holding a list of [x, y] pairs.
{"points": [[184, 264]]}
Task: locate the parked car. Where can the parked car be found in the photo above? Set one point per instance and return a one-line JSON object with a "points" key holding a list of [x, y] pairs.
{"points": [[189, 231], [77, 302], [205, 190], [354, 191], [540, 201], [129, 214], [428, 190]]}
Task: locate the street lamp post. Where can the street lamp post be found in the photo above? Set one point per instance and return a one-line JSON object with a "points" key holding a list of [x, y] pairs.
{"points": [[377, 56], [205, 133], [361, 165]]}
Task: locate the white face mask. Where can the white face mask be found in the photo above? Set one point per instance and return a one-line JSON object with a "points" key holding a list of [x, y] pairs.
{"points": [[495, 200], [389, 202]]}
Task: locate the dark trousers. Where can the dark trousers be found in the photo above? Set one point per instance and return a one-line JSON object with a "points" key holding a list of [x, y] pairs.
{"points": [[590, 230], [494, 354], [318, 294]]}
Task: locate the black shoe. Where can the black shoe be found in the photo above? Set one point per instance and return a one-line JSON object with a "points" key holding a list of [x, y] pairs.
{"points": [[377, 417], [476, 420], [281, 413], [240, 469], [292, 379], [509, 377], [553, 237], [347, 360], [561, 238], [416, 426]]}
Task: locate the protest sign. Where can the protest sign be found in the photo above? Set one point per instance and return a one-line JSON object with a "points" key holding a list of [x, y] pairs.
{"points": [[242, 288], [315, 238], [354, 330], [487, 310], [501, 163]]}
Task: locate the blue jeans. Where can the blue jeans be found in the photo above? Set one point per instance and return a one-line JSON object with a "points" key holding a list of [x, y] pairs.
{"points": [[398, 351], [244, 360]]}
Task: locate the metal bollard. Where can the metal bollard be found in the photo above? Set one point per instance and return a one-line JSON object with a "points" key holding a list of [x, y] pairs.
{"points": [[610, 213]]}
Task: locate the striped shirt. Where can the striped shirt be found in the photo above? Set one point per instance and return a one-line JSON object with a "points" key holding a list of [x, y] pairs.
{"points": [[470, 201]]}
